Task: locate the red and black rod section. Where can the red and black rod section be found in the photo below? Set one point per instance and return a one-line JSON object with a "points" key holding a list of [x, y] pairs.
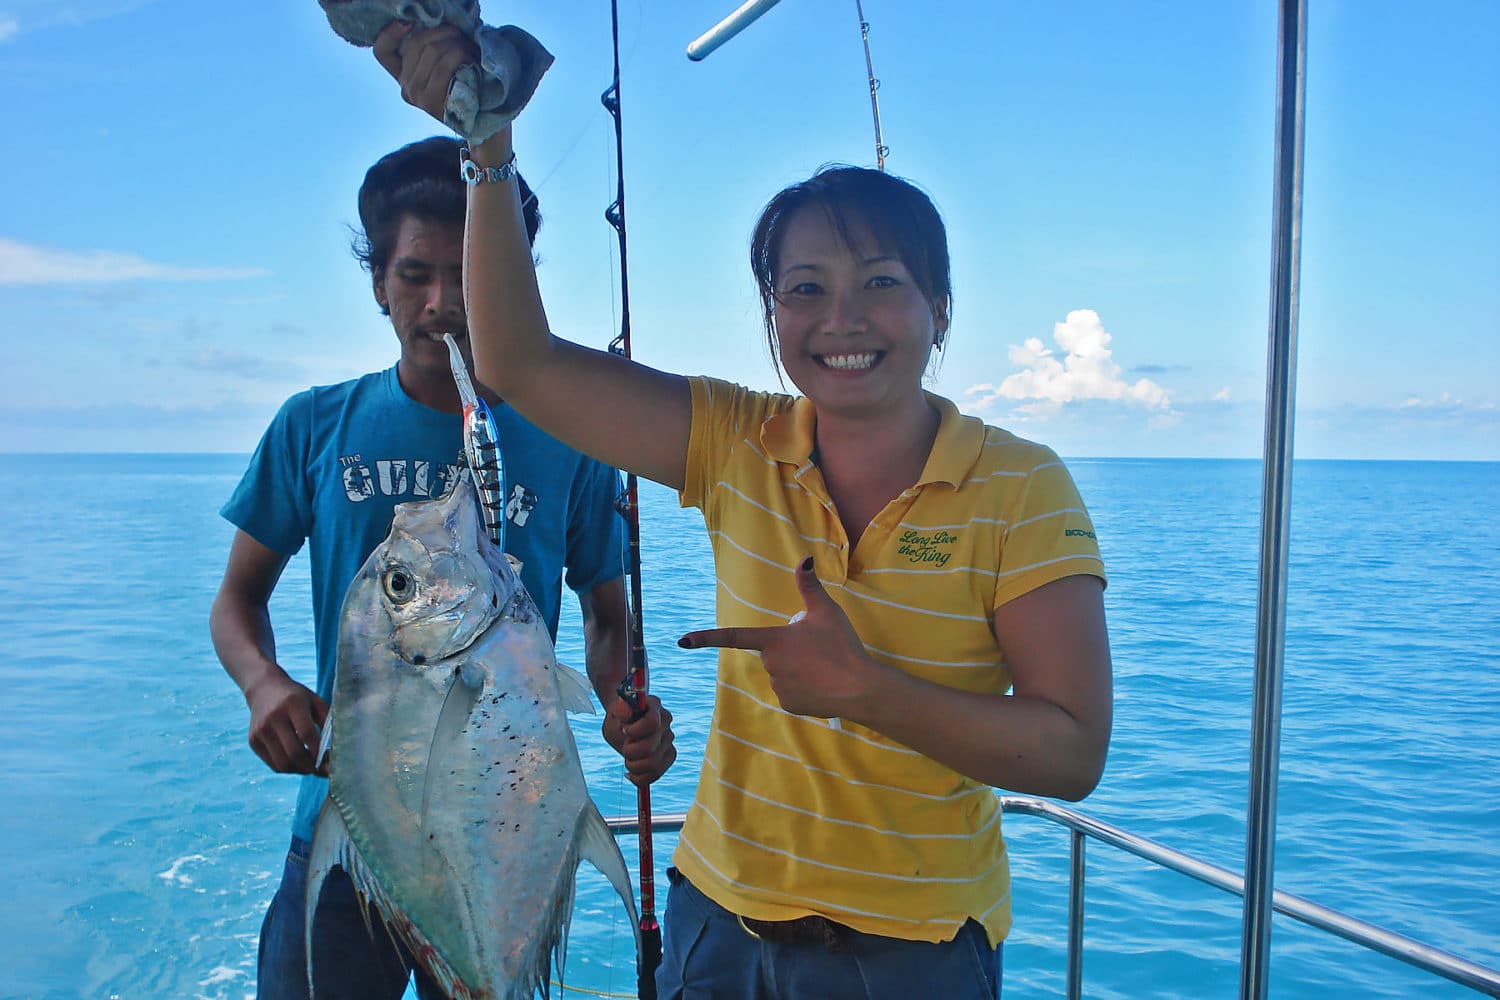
{"points": [[633, 690]]}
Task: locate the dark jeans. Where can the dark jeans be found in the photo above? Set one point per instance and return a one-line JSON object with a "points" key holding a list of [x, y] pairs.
{"points": [[707, 954], [348, 961]]}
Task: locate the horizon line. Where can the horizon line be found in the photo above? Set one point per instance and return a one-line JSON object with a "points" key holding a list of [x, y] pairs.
{"points": [[245, 455]]}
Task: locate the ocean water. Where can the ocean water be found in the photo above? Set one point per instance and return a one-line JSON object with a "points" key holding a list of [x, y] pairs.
{"points": [[140, 838]]}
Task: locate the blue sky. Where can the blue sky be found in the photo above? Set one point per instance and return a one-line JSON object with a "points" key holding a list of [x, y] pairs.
{"points": [[178, 179]]}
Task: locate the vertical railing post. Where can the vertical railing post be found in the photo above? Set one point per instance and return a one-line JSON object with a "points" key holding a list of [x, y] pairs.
{"points": [[1075, 916], [1260, 833]]}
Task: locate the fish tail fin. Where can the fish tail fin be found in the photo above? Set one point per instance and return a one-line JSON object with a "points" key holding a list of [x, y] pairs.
{"points": [[592, 842], [598, 846]]}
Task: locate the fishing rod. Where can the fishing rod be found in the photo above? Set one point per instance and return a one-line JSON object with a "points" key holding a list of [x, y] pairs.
{"points": [[700, 48], [881, 149], [633, 687]]}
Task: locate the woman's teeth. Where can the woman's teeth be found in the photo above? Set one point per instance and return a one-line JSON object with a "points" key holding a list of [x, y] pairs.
{"points": [[849, 362]]}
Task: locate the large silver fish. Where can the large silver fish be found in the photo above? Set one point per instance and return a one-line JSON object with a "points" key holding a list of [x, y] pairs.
{"points": [[456, 799]]}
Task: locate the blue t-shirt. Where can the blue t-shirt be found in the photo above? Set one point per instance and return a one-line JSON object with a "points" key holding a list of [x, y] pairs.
{"points": [[337, 459]]}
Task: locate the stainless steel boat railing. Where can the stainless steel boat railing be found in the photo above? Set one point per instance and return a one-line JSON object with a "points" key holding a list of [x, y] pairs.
{"points": [[1083, 827]]}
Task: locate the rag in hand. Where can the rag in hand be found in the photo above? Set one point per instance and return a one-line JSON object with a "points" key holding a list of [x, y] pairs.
{"points": [[482, 99]]}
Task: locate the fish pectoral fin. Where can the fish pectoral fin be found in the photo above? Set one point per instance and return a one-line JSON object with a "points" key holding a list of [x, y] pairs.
{"points": [[574, 689], [463, 691], [597, 845]]}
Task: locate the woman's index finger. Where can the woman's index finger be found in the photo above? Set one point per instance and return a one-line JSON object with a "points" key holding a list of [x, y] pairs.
{"points": [[728, 638]]}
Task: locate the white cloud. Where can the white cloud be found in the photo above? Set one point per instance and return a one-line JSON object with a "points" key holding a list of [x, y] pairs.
{"points": [[1222, 396], [1086, 370], [1165, 420], [54, 13], [22, 264], [1443, 402], [248, 366]]}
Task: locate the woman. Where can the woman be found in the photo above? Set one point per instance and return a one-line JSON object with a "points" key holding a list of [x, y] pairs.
{"points": [[887, 571]]}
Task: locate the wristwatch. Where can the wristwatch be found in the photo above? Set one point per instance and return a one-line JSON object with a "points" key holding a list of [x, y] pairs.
{"points": [[473, 173]]}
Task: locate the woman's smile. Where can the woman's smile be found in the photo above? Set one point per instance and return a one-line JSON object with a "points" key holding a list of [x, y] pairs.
{"points": [[850, 362]]}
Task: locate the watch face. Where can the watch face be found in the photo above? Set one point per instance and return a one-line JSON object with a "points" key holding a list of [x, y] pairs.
{"points": [[473, 173]]}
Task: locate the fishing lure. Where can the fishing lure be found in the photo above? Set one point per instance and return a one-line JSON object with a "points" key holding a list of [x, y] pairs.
{"points": [[481, 447]]}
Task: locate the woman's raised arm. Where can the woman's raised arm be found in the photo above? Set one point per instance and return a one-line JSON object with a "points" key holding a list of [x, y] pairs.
{"points": [[617, 411]]}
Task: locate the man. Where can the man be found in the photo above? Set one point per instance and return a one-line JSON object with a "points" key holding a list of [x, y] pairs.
{"points": [[329, 471]]}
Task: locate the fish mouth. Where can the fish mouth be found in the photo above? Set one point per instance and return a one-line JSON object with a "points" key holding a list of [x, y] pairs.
{"points": [[440, 637], [849, 361]]}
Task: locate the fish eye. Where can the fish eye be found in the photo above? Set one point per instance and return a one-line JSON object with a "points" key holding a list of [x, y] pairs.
{"points": [[400, 586]]}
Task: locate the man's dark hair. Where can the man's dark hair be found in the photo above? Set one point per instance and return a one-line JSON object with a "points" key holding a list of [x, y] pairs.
{"points": [[419, 179]]}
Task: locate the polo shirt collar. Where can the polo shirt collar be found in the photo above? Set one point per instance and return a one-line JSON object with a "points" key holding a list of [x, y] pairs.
{"points": [[957, 448], [788, 437]]}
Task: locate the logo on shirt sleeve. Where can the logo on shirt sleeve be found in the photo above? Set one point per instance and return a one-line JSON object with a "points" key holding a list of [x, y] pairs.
{"points": [[520, 504]]}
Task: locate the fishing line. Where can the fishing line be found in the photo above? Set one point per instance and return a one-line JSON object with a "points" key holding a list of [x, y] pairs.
{"points": [[634, 687], [751, 11], [611, 185], [589, 122], [593, 993]]}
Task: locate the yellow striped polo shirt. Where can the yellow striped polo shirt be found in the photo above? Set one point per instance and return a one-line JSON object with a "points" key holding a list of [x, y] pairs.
{"points": [[797, 815]]}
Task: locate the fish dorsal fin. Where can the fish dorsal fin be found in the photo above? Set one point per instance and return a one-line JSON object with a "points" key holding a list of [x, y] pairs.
{"points": [[463, 692], [574, 689]]}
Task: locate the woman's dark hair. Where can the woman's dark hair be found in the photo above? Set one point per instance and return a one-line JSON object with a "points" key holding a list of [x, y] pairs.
{"points": [[419, 179], [899, 216]]}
